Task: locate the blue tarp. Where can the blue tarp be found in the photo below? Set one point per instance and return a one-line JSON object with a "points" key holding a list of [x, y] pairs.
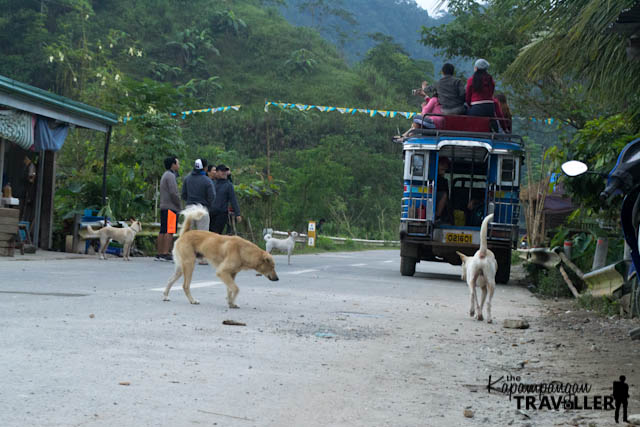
{"points": [[47, 138]]}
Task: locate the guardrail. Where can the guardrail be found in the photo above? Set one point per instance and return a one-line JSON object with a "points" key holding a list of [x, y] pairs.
{"points": [[303, 238]]}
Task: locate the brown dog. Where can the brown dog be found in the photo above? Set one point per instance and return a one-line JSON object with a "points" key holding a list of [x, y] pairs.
{"points": [[228, 254]]}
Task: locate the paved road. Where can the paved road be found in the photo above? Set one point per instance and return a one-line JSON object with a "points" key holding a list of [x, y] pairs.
{"points": [[341, 340]]}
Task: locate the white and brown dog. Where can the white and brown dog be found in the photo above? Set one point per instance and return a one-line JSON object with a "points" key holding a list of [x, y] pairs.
{"points": [[480, 271], [125, 236]]}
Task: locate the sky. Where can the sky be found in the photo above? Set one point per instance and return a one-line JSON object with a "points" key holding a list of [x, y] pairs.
{"points": [[430, 5]]}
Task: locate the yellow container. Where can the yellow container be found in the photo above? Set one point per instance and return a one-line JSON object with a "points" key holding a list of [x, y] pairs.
{"points": [[458, 217]]}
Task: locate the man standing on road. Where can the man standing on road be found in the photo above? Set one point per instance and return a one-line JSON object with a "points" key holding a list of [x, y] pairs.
{"points": [[198, 189], [225, 195], [169, 208]]}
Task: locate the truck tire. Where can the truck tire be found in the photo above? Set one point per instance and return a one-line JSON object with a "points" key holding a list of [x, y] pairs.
{"points": [[503, 257], [407, 266]]}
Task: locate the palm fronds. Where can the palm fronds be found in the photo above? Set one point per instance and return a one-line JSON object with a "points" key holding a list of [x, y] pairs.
{"points": [[574, 39]]}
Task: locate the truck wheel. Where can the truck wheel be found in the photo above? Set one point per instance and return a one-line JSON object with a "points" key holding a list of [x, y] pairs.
{"points": [[503, 257], [407, 266]]}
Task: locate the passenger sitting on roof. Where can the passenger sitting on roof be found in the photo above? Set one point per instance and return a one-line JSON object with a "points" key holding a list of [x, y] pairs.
{"points": [[480, 87], [431, 105], [442, 191], [503, 110], [451, 92]]}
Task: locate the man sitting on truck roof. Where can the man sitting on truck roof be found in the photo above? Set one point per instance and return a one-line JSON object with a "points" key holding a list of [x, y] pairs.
{"points": [[451, 91]]}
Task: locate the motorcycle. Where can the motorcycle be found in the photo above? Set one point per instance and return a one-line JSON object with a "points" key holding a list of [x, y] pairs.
{"points": [[624, 179]]}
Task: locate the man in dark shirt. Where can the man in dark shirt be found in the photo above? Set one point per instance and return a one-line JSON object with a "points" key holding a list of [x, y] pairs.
{"points": [[621, 396], [451, 91], [225, 194], [198, 189]]}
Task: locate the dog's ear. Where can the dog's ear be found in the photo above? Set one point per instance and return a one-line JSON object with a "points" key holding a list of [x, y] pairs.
{"points": [[463, 257], [288, 233], [132, 219]]}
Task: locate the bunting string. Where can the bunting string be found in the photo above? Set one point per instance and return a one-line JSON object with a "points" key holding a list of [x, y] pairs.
{"points": [[309, 107], [341, 110], [184, 114]]}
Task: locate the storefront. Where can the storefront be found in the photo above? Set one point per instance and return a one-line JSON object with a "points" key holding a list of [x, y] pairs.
{"points": [[34, 124]]}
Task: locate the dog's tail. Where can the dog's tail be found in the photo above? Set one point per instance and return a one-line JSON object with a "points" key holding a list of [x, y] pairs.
{"points": [[483, 235], [191, 214], [267, 237], [93, 232]]}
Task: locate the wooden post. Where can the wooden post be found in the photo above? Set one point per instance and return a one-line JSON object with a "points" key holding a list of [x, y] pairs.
{"points": [[268, 171], [77, 218], [1, 162], [104, 167], [48, 192], [565, 276], [36, 225]]}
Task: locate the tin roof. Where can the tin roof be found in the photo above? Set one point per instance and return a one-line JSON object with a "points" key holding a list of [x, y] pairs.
{"points": [[32, 99]]}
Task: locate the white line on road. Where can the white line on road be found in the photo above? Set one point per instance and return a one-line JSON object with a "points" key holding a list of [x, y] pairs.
{"points": [[336, 256], [357, 265], [194, 285], [299, 271], [388, 261]]}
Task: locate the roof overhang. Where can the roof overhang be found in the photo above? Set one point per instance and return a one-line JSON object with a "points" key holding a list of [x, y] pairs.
{"points": [[28, 98]]}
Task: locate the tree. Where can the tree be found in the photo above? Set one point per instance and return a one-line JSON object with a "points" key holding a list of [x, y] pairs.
{"points": [[573, 39]]}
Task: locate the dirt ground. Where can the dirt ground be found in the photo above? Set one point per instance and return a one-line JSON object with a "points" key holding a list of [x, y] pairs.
{"points": [[595, 349], [574, 345]]}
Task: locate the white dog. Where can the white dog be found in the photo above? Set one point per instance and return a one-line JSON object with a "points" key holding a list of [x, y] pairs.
{"points": [[480, 271], [125, 236], [284, 245]]}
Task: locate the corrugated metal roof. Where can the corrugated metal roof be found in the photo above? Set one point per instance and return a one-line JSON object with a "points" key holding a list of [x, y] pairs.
{"points": [[43, 97]]}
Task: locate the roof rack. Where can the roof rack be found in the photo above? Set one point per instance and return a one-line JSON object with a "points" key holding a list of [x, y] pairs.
{"points": [[441, 133]]}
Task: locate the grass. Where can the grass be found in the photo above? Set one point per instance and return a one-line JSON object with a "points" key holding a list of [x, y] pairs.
{"points": [[602, 305], [547, 282]]}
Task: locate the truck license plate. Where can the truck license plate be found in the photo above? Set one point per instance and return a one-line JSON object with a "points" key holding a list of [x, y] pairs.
{"points": [[458, 238]]}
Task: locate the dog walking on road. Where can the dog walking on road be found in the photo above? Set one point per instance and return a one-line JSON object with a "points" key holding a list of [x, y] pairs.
{"points": [[228, 254], [125, 236], [480, 271]]}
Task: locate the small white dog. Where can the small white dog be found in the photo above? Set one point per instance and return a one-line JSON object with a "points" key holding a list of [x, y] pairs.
{"points": [[284, 245], [480, 271], [125, 236]]}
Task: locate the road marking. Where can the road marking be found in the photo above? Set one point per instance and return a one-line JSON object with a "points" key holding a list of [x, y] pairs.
{"points": [[299, 271], [388, 261], [357, 265], [194, 285], [336, 256]]}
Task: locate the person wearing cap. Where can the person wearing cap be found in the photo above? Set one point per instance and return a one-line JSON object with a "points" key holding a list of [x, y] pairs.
{"points": [[451, 91], [479, 93], [197, 189], [225, 195]]}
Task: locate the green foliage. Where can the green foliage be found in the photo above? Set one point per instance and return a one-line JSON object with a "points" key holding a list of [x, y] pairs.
{"points": [[598, 145], [144, 60], [488, 30], [301, 60], [548, 282], [605, 306]]}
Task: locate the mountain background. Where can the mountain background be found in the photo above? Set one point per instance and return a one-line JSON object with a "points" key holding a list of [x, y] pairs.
{"points": [[400, 19]]}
